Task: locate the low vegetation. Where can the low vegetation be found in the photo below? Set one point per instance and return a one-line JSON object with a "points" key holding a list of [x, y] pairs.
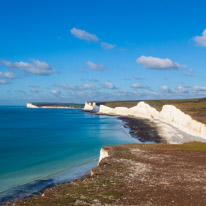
{"points": [[54, 104], [136, 174]]}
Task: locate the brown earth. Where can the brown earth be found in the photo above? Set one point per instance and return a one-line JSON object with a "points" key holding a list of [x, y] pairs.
{"points": [[137, 175]]}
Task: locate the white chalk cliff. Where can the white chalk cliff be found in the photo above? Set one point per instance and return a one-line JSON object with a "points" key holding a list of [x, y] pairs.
{"points": [[30, 105], [169, 114], [103, 154]]}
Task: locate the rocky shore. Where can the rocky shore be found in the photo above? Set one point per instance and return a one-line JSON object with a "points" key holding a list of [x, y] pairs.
{"points": [[143, 129]]}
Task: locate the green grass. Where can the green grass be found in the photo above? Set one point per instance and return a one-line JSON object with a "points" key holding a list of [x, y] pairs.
{"points": [[190, 146], [113, 193], [40, 104]]}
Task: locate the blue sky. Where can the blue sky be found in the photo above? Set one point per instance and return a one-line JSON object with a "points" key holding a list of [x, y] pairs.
{"points": [[73, 51]]}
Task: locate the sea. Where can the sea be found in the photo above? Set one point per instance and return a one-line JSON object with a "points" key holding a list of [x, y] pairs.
{"points": [[40, 148]]}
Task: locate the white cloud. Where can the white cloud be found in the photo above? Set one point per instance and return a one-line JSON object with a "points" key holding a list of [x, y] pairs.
{"points": [[158, 63], [55, 92], [2, 81], [105, 45], [9, 75], [138, 86], [186, 91], [201, 40], [81, 34], [66, 86], [87, 86], [164, 88], [94, 66], [109, 85], [198, 88], [35, 67], [81, 87]]}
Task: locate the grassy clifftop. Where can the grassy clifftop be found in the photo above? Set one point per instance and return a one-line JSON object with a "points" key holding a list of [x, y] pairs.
{"points": [[136, 175], [196, 108], [54, 104]]}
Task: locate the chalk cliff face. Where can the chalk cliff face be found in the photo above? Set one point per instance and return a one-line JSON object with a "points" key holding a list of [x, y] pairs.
{"points": [[169, 114], [29, 105], [103, 154], [124, 111], [183, 121], [91, 106], [106, 110], [144, 110]]}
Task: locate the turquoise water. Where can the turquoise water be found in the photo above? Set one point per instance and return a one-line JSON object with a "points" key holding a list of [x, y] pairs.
{"points": [[44, 147]]}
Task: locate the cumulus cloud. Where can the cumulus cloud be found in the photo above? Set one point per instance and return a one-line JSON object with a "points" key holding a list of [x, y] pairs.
{"points": [[185, 91], [201, 40], [55, 92], [81, 34], [66, 86], [139, 86], [81, 87], [87, 86], [176, 91], [109, 85], [93, 66], [164, 88], [105, 45], [158, 63], [3, 81], [34, 67], [9, 75], [198, 88]]}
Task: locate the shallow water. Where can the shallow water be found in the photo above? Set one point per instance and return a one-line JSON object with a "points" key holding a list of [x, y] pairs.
{"points": [[45, 147]]}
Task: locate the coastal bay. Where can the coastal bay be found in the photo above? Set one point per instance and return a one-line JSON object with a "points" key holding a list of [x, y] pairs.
{"points": [[42, 148], [143, 130]]}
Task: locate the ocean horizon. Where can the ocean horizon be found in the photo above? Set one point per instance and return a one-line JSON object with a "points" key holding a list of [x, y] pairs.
{"points": [[46, 147]]}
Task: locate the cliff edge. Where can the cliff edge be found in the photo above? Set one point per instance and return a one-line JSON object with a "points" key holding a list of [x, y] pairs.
{"points": [[136, 175]]}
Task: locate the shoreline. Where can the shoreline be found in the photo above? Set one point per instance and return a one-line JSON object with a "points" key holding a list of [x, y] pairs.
{"points": [[135, 174], [37, 187], [143, 129], [132, 132], [154, 130]]}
